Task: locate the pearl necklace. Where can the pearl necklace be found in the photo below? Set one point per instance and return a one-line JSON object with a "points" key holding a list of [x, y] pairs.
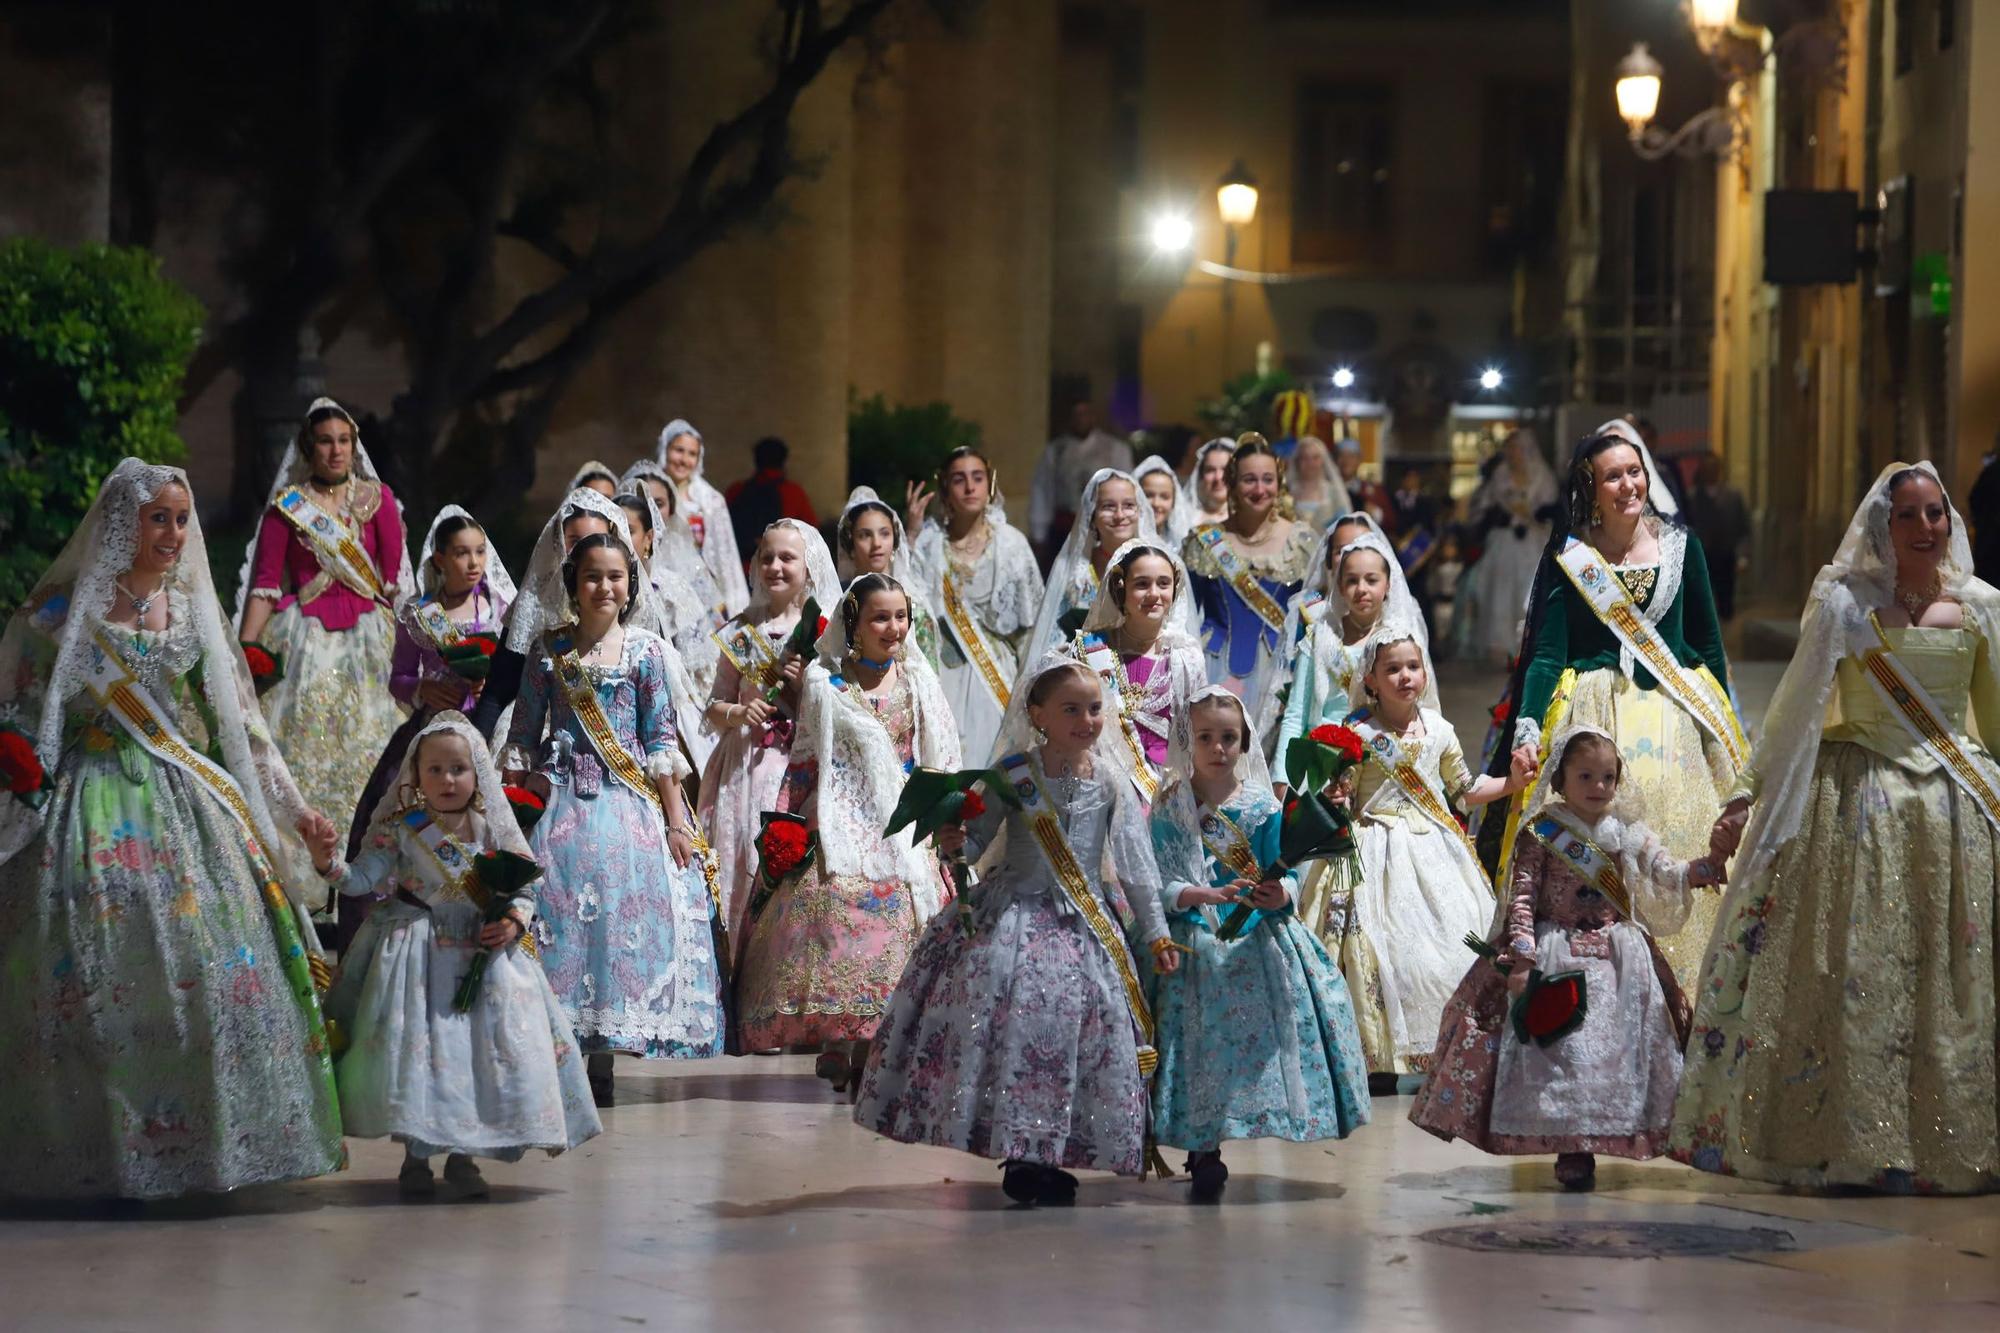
{"points": [[141, 604]]}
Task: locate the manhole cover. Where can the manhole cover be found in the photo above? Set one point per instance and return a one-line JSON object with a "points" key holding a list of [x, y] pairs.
{"points": [[1612, 1240]]}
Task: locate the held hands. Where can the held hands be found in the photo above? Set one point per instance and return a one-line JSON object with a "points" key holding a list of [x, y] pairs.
{"points": [[1270, 896], [792, 673], [1521, 768], [1703, 873], [534, 782], [499, 934], [1727, 834]]}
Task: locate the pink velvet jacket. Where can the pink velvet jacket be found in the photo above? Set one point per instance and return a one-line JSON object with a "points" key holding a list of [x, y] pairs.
{"points": [[285, 566]]}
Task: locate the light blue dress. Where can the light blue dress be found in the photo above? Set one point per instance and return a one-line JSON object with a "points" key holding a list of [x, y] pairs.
{"points": [[1256, 1035], [495, 1081], [624, 933]]}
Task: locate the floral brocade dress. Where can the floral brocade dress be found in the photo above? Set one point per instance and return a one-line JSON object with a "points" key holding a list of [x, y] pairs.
{"points": [[1607, 1087], [1844, 1026], [624, 933], [1256, 1035], [1241, 644], [824, 951], [747, 768], [159, 1034]]}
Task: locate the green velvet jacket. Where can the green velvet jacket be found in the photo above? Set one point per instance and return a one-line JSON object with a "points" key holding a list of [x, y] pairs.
{"points": [[1570, 635]]}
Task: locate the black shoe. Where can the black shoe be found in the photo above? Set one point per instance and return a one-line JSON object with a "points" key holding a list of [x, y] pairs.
{"points": [[1210, 1175], [1577, 1172], [1055, 1189], [598, 1067], [1382, 1085], [1020, 1181]]}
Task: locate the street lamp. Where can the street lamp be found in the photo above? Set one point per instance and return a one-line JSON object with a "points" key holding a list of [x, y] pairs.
{"points": [[1236, 200], [1491, 378], [1172, 233], [1638, 89], [1715, 130], [1711, 20], [1343, 378]]}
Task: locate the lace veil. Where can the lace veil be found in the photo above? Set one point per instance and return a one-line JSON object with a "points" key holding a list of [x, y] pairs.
{"points": [[718, 549], [544, 603], [65, 609], [822, 583], [593, 471], [499, 583], [673, 538], [1186, 512], [503, 834], [296, 470], [1070, 576], [1176, 818], [861, 775], [1861, 579]]}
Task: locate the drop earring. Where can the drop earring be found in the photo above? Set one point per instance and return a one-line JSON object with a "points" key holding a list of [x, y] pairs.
{"points": [[1041, 738], [1596, 515]]}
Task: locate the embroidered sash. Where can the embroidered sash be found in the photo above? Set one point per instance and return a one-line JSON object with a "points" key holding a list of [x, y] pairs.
{"points": [[582, 695], [1925, 720], [1387, 753], [972, 639], [1313, 607], [1036, 808], [438, 627], [332, 545], [1102, 658], [1592, 864], [454, 865], [121, 694], [1605, 594], [749, 650], [1260, 602]]}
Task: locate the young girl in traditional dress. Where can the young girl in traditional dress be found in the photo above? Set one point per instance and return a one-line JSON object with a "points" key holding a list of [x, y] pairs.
{"points": [[493, 1080], [159, 1031], [1150, 665], [625, 908], [1024, 1035], [1589, 888], [681, 453], [753, 708], [1174, 508], [462, 589], [1421, 890], [1319, 495], [1246, 568], [824, 950], [1512, 499], [595, 476], [1113, 512], [1211, 481], [871, 540], [984, 581], [320, 585], [1256, 1035]]}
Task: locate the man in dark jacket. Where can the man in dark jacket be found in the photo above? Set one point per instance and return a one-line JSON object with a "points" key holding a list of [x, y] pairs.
{"points": [[766, 496]]}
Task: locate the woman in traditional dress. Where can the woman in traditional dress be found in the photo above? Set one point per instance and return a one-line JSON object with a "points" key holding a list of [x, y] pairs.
{"points": [[320, 586], [1024, 1034], [1256, 1035], [1173, 505], [497, 1076], [982, 577], [1622, 635], [1149, 664], [159, 1031], [753, 708], [1211, 481], [625, 907], [673, 610], [462, 589], [1246, 569], [681, 454], [825, 948], [674, 548], [1511, 501], [595, 476], [870, 539], [1112, 512], [1844, 1026], [1319, 495]]}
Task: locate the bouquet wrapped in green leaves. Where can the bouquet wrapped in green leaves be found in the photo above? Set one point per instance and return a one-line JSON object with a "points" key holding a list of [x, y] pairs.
{"points": [[934, 798], [497, 879], [1316, 827]]}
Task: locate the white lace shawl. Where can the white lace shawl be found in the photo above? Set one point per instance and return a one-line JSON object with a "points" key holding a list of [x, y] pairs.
{"points": [[902, 564], [68, 605], [718, 546], [499, 582], [1177, 814], [1072, 577], [1017, 580], [860, 775], [1835, 625], [1183, 669], [503, 832], [544, 603], [822, 582], [296, 470], [680, 614], [673, 538], [1186, 512]]}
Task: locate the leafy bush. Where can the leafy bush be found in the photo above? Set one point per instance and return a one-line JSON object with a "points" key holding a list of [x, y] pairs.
{"points": [[1245, 403], [889, 447], [93, 346]]}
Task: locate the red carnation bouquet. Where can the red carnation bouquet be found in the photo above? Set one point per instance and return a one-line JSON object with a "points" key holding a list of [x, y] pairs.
{"points": [[1315, 827], [528, 808], [804, 636], [1553, 1005], [472, 656], [22, 769], [784, 846], [934, 798], [267, 667]]}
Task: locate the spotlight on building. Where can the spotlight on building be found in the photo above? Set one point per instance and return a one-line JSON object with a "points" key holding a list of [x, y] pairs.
{"points": [[1343, 378], [1491, 378], [1172, 233]]}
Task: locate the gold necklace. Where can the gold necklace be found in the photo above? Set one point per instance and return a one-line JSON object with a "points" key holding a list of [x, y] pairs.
{"points": [[1915, 603]]}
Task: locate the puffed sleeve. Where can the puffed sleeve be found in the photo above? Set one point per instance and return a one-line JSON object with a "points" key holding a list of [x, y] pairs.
{"points": [[405, 666], [1302, 705], [371, 872], [1453, 770], [267, 566], [1657, 882]]}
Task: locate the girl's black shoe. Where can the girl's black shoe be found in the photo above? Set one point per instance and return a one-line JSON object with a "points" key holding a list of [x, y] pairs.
{"points": [[1210, 1175]]}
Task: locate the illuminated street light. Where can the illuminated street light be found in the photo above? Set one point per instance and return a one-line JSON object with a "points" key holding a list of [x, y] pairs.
{"points": [[1236, 195], [1491, 378], [1711, 19], [1172, 233], [1638, 89], [1343, 378]]}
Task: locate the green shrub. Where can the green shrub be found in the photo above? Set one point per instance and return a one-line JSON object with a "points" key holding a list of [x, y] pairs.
{"points": [[889, 447], [93, 347], [1245, 403]]}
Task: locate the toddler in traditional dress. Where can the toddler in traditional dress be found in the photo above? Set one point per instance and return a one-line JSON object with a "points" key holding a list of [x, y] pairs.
{"points": [[493, 1079], [1590, 888]]}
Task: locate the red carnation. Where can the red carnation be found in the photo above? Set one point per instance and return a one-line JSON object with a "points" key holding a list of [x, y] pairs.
{"points": [[1503, 711], [523, 796], [485, 643], [822, 627], [785, 846], [20, 764], [1340, 738], [973, 807], [260, 662]]}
